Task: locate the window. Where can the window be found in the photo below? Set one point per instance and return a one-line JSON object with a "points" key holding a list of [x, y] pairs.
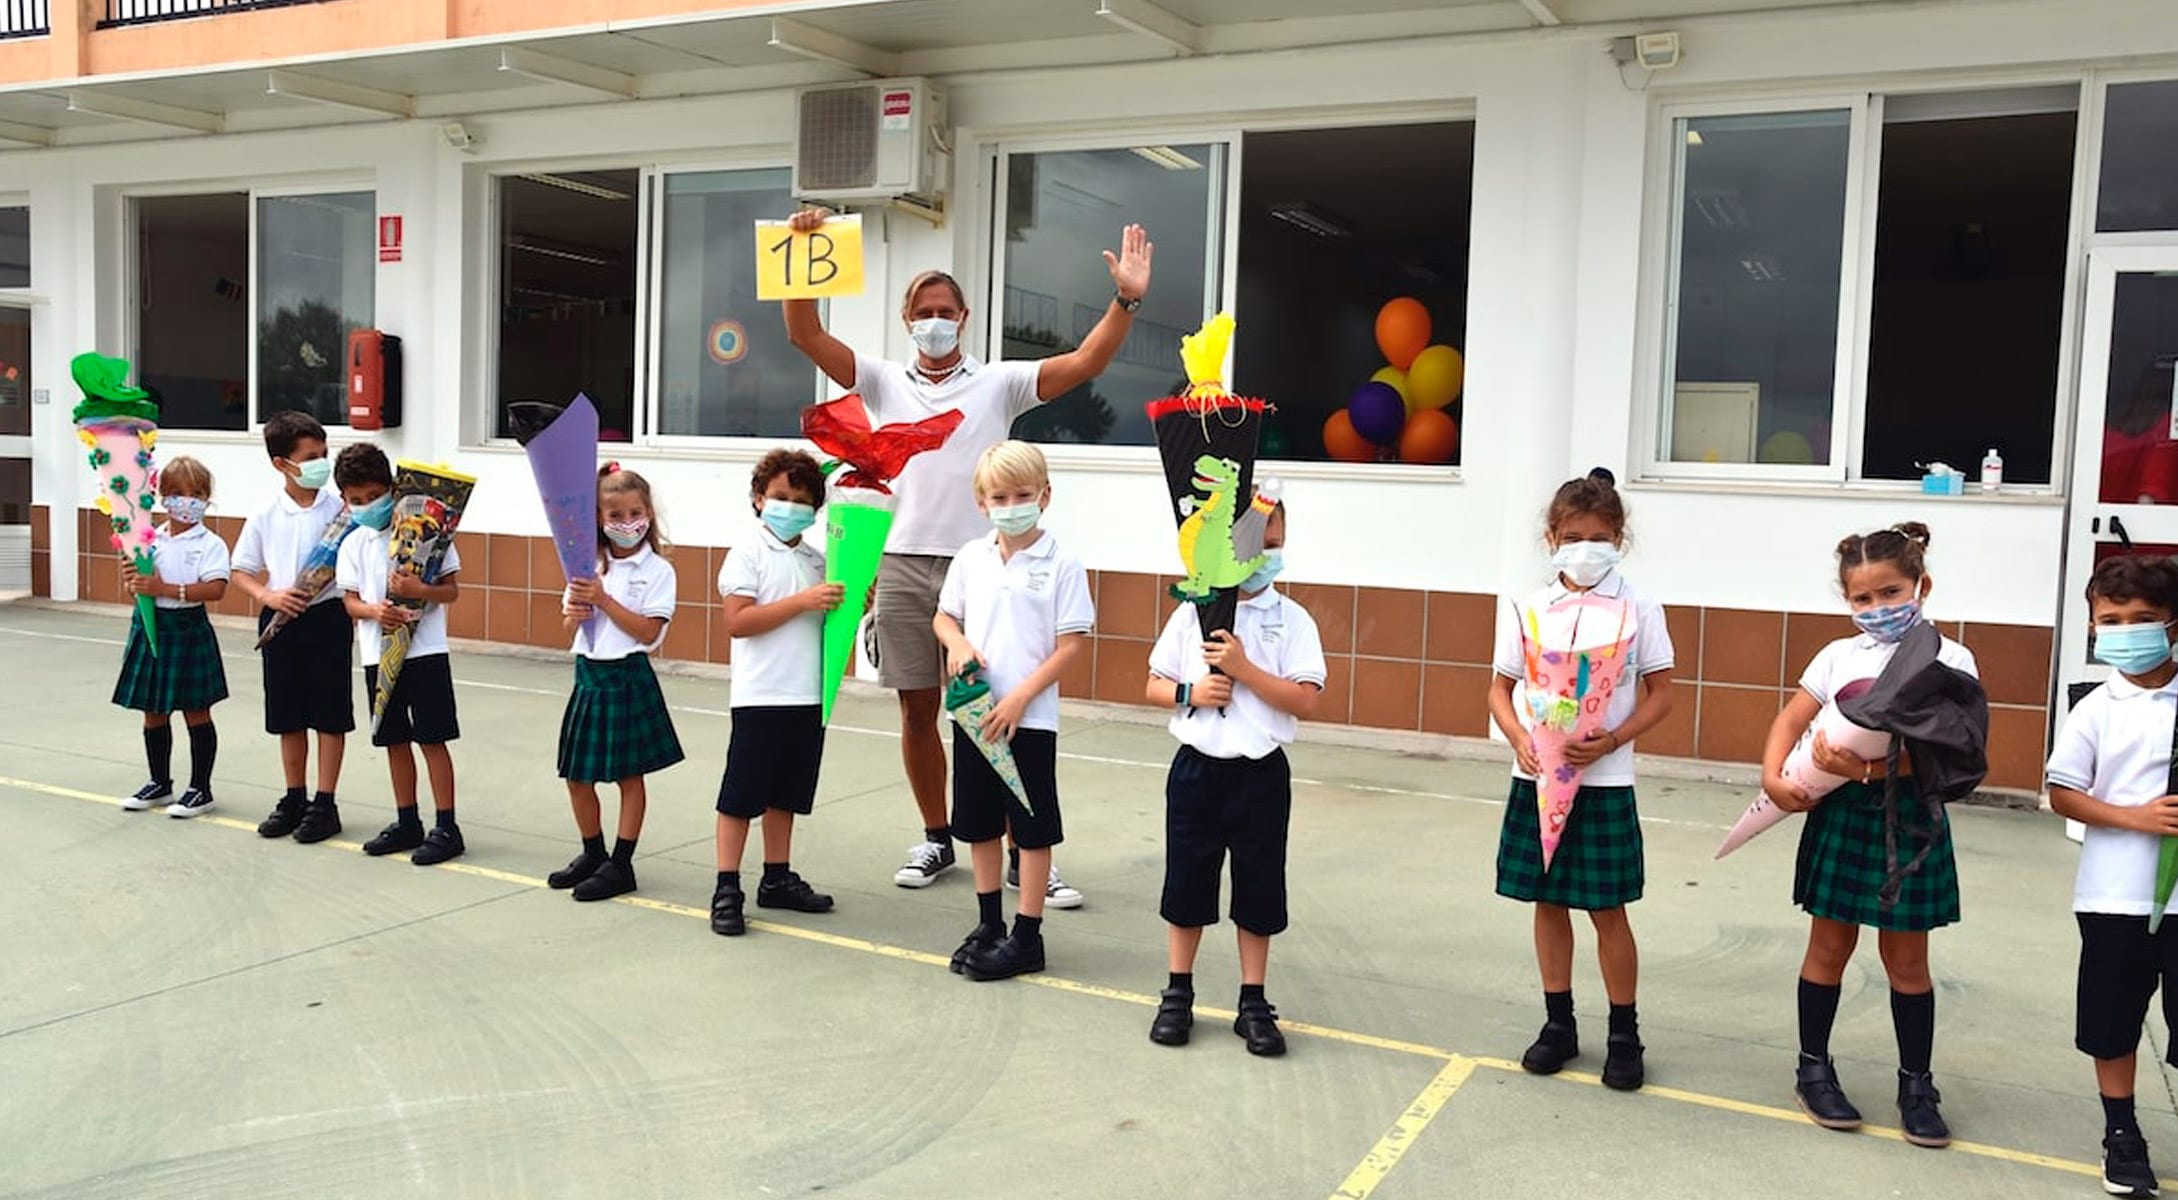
{"points": [[725, 367], [2139, 187], [316, 278], [567, 287], [14, 247]]}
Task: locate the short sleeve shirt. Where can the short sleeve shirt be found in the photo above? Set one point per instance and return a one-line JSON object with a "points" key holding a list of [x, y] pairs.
{"points": [[2115, 745], [937, 502], [277, 540], [645, 583], [364, 565], [1863, 657], [1652, 652], [785, 666], [1278, 635], [194, 556], [1013, 612]]}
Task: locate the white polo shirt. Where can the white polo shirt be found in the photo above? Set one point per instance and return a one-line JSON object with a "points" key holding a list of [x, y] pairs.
{"points": [[2115, 746], [643, 582], [279, 537], [1863, 657], [192, 557], [1279, 636], [1013, 613], [785, 666], [937, 500], [1652, 652], [364, 566]]}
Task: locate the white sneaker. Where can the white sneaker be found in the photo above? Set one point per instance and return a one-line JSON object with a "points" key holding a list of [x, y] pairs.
{"points": [[1058, 895], [926, 861], [193, 803]]}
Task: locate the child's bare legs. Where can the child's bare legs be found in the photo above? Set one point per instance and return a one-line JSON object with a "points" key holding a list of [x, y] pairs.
{"points": [[989, 859], [1558, 1043], [331, 747], [1035, 864], [2114, 1076], [1181, 944], [1615, 953], [440, 763], [1913, 997], [589, 817], [634, 799], [1829, 948], [294, 758], [1554, 946], [158, 720], [401, 765], [733, 841], [778, 835], [1254, 958], [1905, 960]]}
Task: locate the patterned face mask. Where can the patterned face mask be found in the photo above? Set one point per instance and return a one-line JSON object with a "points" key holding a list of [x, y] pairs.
{"points": [[1890, 622], [627, 534], [188, 510]]}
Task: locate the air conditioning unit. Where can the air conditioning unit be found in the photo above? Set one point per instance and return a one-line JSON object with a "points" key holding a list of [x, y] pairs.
{"points": [[882, 140]]}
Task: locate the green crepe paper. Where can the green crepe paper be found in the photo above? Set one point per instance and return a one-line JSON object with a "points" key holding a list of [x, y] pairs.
{"points": [[854, 543], [968, 698], [106, 390], [2166, 880]]}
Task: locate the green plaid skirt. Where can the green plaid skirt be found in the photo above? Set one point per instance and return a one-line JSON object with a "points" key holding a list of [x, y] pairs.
{"points": [[616, 725], [1841, 867], [184, 676], [1598, 863]]}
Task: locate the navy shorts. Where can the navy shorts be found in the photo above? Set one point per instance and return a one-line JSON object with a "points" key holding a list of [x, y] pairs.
{"points": [[421, 709], [1216, 806], [2121, 965], [772, 759], [310, 671], [984, 807]]}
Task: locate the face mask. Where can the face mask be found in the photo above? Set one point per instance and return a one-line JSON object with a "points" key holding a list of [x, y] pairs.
{"points": [[629, 534], [2133, 649], [1274, 561], [1586, 563], [186, 509], [1889, 624], [787, 519], [935, 336], [1015, 519], [314, 474], [377, 514]]}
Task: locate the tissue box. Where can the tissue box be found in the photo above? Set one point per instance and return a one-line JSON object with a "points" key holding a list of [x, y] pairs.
{"points": [[1953, 484]]}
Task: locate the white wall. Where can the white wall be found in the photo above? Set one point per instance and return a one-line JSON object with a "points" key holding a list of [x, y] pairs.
{"points": [[1560, 173]]}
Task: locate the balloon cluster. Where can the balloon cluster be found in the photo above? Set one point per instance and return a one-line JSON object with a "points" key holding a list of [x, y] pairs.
{"points": [[1400, 412]]}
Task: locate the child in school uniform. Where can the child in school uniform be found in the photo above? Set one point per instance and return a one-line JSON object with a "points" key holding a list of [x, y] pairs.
{"points": [[1230, 788], [776, 598], [186, 675], [1842, 867], [309, 686], [1598, 867], [420, 712], [1018, 606], [2111, 770], [616, 728]]}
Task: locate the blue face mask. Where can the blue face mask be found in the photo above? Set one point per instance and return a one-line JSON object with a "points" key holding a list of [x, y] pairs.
{"points": [[787, 519], [377, 514], [1274, 561], [2133, 649], [1888, 623]]}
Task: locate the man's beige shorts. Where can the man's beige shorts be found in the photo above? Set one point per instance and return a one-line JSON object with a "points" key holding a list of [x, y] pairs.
{"points": [[908, 655]]}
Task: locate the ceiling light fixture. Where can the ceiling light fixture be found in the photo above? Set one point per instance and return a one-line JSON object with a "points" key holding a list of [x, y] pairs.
{"points": [[549, 250], [1167, 157], [577, 186], [1302, 216]]}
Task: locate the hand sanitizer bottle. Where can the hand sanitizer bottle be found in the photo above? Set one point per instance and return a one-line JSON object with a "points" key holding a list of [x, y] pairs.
{"points": [[1992, 471]]}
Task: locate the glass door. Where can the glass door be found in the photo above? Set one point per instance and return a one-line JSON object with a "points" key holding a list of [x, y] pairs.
{"points": [[14, 450]]}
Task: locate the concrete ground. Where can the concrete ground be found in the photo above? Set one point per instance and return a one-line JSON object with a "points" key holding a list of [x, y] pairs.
{"points": [[190, 1011]]}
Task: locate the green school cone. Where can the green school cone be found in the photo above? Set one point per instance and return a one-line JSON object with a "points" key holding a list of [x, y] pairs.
{"points": [[854, 544], [2166, 878]]}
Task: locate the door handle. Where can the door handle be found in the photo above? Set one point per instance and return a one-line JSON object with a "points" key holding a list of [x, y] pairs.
{"points": [[2117, 527]]}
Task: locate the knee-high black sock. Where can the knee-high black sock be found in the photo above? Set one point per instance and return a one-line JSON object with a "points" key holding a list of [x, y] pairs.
{"points": [[203, 751], [1818, 1012], [1913, 1016], [159, 751]]}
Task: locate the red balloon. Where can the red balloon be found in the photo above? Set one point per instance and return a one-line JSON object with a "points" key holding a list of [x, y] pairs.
{"points": [[1431, 436], [1402, 330], [1342, 443]]}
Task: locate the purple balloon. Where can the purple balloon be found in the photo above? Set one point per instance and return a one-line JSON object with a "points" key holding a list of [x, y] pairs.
{"points": [[1377, 412]]}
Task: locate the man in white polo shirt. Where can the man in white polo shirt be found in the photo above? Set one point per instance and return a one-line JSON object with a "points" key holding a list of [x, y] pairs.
{"points": [[937, 506]]}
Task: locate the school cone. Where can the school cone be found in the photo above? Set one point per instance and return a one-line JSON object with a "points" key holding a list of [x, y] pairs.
{"points": [[427, 506], [968, 698], [2166, 878]]}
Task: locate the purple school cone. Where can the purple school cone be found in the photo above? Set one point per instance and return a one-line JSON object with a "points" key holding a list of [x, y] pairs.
{"points": [[562, 447]]}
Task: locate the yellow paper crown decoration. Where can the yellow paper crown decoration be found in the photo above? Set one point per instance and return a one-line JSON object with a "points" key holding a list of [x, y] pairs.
{"points": [[1203, 353]]}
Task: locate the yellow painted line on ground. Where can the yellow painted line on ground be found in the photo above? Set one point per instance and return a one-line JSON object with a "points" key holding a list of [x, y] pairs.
{"points": [[1362, 1181], [1457, 1067]]}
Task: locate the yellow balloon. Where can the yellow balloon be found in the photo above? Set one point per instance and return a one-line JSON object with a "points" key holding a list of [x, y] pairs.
{"points": [[1398, 381], [1435, 378], [1786, 447]]}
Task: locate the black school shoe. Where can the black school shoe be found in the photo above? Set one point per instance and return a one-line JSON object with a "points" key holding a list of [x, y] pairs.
{"points": [[394, 839], [726, 918], [439, 845], [285, 817], [612, 879], [1918, 1118], [580, 868], [1005, 958], [983, 935], [1622, 1069], [1175, 1017], [1554, 1047], [1258, 1025], [321, 820], [2125, 1169], [1815, 1086], [793, 893]]}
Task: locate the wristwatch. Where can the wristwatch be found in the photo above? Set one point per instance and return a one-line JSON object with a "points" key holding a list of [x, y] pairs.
{"points": [[1183, 695], [1125, 305]]}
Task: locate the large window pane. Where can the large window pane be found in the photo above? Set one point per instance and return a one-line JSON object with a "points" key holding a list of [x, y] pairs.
{"points": [[14, 247], [2139, 454], [1759, 245], [2139, 188], [725, 366], [1063, 207], [14, 371], [192, 307], [567, 280], [316, 281]]}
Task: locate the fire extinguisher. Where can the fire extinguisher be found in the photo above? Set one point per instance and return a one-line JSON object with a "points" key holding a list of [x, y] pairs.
{"points": [[374, 380]]}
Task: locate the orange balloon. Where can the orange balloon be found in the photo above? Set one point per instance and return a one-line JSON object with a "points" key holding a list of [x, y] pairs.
{"points": [[1342, 443], [1430, 436], [1402, 330]]}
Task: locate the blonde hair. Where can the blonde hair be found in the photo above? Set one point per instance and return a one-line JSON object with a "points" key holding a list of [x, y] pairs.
{"points": [[1011, 463], [925, 279], [185, 476]]}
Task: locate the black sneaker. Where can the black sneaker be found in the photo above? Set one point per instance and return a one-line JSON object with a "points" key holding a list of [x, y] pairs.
{"points": [[1918, 1117], [984, 934], [195, 802], [1175, 1017], [394, 839], [610, 880], [726, 918], [1258, 1024], [1815, 1086], [320, 821], [926, 861], [1554, 1047], [582, 867], [792, 893], [154, 792], [2125, 1169], [285, 817], [439, 845], [1005, 958], [1622, 1069]]}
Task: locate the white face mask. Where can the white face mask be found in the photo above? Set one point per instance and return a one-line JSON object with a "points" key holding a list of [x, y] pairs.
{"points": [[1015, 519], [1586, 563], [935, 336]]}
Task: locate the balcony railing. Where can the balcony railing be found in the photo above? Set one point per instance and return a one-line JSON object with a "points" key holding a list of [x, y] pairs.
{"points": [[24, 18], [144, 12]]}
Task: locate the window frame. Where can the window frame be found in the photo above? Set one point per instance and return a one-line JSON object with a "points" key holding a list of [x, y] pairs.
{"points": [[257, 420]]}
